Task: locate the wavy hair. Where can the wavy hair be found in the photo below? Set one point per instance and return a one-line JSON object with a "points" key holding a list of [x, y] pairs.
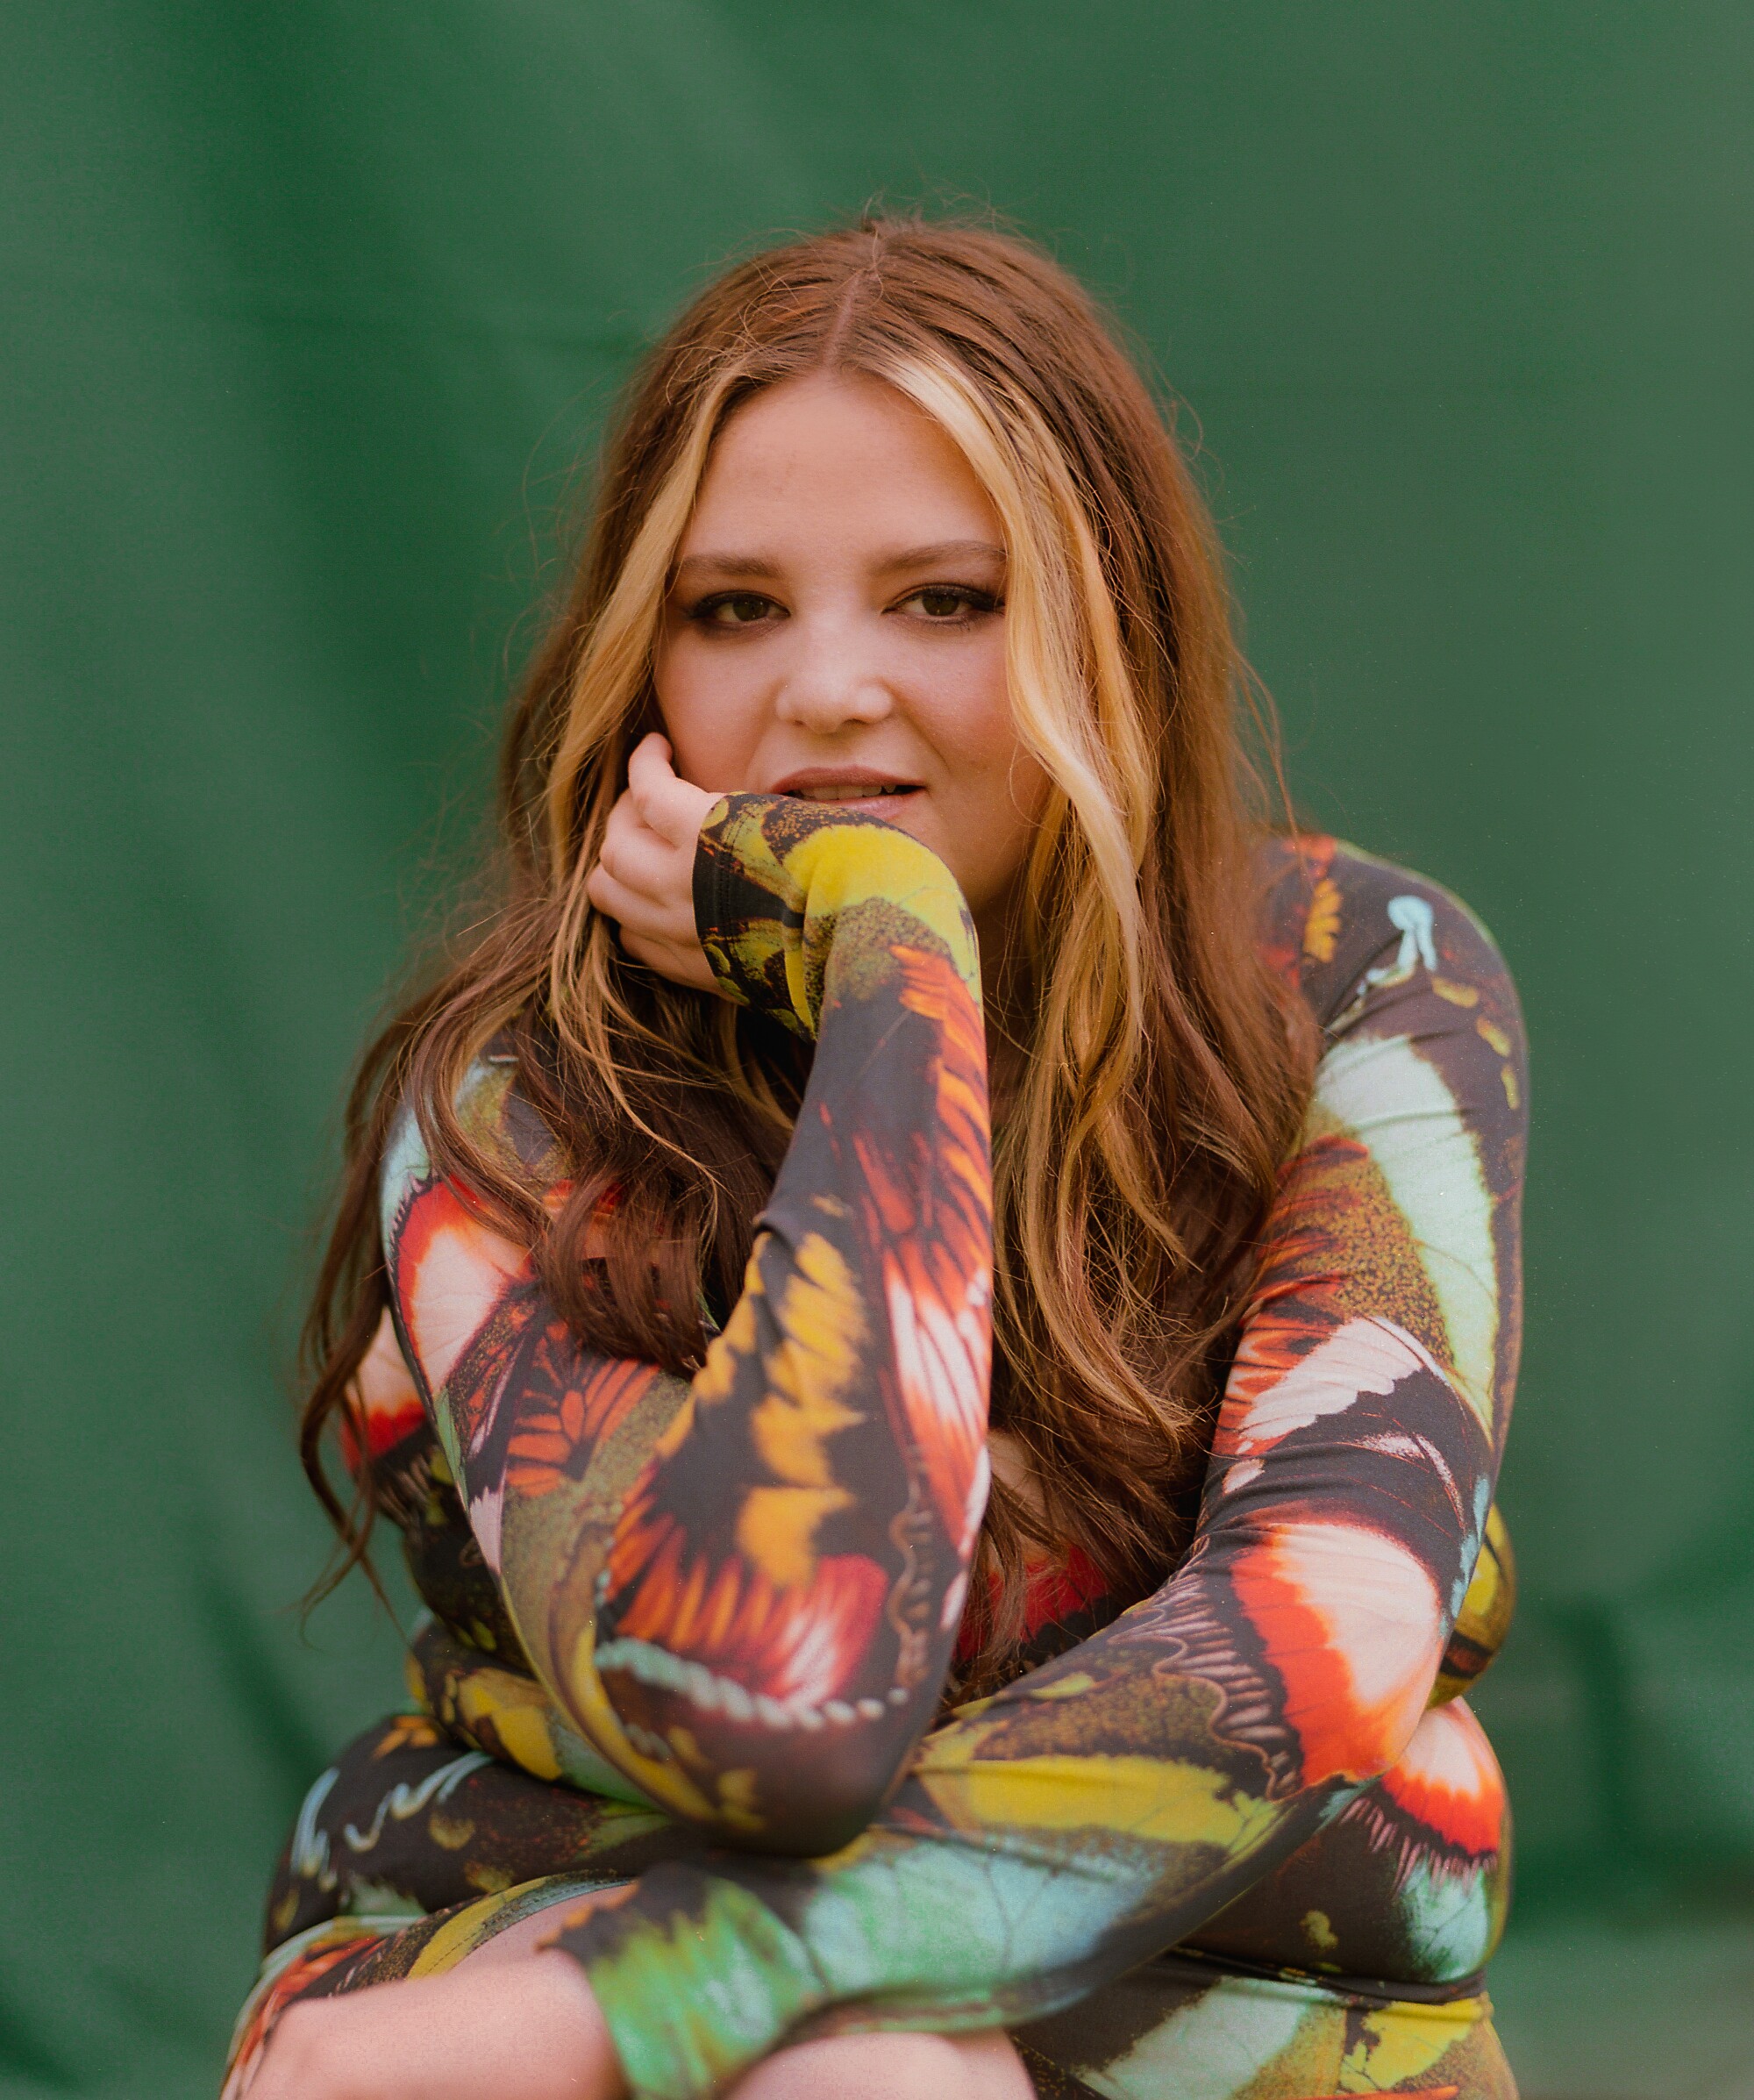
{"points": [[1165, 1069]]}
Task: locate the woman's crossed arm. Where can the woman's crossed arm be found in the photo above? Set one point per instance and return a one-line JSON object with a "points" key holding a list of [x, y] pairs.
{"points": [[742, 1591]]}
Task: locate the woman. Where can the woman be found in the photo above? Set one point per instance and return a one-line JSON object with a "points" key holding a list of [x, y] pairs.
{"points": [[884, 755]]}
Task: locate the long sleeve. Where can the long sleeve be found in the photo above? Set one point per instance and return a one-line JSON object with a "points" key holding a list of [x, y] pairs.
{"points": [[739, 1595], [1107, 1806]]}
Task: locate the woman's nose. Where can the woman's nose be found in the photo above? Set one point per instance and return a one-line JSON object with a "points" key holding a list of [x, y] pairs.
{"points": [[833, 688]]}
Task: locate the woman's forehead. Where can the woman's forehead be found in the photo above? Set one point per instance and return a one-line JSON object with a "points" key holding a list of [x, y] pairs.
{"points": [[842, 450]]}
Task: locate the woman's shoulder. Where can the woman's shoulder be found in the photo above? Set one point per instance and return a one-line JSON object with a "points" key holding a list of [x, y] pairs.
{"points": [[1334, 919]]}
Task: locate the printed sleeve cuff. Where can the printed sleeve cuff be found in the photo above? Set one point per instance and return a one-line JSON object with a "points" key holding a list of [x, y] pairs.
{"points": [[788, 892]]}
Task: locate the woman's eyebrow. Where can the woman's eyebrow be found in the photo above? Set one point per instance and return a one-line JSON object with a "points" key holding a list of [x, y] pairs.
{"points": [[728, 564], [942, 550]]}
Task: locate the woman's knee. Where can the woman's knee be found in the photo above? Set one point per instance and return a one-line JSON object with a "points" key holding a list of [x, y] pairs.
{"points": [[892, 2067]]}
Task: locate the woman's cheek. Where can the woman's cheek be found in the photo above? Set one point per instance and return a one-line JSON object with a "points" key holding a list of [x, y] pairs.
{"points": [[709, 739], [987, 845]]}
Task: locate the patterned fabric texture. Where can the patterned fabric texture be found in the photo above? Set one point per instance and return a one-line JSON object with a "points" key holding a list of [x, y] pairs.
{"points": [[1243, 1840]]}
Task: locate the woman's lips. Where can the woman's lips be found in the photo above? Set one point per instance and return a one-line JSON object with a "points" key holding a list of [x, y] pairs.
{"points": [[871, 792]]}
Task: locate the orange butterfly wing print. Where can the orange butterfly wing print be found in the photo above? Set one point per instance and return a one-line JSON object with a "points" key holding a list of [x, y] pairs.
{"points": [[449, 1271], [800, 1644], [553, 1437], [937, 1240], [1347, 1617], [385, 1400], [305, 1969], [1289, 1317], [1448, 1780], [1290, 1371]]}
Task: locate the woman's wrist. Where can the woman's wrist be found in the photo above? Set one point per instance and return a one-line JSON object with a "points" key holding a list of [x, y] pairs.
{"points": [[777, 881]]}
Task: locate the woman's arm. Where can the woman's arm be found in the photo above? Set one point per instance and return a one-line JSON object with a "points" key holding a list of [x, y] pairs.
{"points": [[1106, 1806], [742, 1590]]}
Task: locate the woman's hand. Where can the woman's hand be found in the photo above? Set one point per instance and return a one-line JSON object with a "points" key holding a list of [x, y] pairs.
{"points": [[525, 2030], [645, 878]]}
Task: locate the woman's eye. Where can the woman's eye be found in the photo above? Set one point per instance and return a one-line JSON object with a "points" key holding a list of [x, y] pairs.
{"points": [[734, 609], [949, 603]]}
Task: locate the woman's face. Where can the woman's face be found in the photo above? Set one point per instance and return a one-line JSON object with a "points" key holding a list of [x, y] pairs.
{"points": [[836, 629]]}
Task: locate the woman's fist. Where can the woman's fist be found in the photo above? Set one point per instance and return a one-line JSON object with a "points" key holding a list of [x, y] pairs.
{"points": [[645, 878]]}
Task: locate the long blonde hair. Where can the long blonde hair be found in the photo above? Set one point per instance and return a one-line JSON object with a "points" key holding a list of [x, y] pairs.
{"points": [[1166, 1071]]}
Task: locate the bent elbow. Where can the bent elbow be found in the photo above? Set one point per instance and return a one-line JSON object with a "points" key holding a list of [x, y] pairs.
{"points": [[808, 1815], [812, 1790], [774, 1782]]}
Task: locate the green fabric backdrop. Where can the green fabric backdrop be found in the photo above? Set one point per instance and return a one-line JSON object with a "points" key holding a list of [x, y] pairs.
{"points": [[307, 310]]}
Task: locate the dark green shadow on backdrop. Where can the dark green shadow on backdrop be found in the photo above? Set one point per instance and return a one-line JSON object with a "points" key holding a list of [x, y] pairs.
{"points": [[306, 311]]}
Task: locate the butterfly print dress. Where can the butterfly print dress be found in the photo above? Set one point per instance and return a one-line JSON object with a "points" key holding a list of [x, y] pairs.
{"points": [[688, 1639]]}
